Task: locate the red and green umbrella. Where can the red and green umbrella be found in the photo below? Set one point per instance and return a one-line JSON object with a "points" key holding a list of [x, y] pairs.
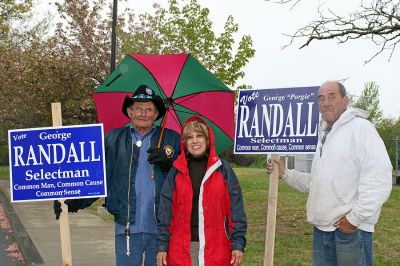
{"points": [[186, 86]]}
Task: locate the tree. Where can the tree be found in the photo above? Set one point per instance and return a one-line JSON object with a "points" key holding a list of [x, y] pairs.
{"points": [[11, 11], [389, 130], [62, 68], [18, 39], [369, 100], [68, 66], [376, 20], [186, 28]]}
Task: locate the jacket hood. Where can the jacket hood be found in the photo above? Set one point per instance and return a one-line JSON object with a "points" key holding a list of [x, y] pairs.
{"points": [[182, 159], [356, 112], [349, 114]]}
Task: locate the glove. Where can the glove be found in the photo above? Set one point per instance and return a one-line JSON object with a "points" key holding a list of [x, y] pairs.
{"points": [[73, 206], [158, 156]]}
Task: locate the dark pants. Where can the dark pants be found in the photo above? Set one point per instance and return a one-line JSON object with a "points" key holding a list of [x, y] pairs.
{"points": [[194, 253]]}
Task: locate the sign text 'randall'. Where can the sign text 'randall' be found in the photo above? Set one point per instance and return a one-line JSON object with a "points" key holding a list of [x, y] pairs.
{"points": [[50, 163], [277, 121]]}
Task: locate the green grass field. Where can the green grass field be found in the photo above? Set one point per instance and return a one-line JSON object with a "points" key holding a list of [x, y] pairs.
{"points": [[293, 233]]}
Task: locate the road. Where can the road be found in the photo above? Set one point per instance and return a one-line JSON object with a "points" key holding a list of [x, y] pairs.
{"points": [[10, 255]]}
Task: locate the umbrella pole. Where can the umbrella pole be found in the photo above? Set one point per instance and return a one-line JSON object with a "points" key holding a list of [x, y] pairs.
{"points": [[163, 127], [162, 133]]}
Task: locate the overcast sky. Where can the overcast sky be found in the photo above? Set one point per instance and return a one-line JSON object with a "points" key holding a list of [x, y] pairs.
{"points": [[274, 67]]}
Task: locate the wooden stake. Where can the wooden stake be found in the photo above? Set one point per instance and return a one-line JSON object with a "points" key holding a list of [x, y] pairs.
{"points": [[64, 219], [271, 215]]}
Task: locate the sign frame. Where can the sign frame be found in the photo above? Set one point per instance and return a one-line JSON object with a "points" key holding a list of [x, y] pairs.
{"points": [[277, 121], [51, 155]]}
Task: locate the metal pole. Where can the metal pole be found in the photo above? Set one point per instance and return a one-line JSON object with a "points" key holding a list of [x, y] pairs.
{"points": [[113, 36], [397, 156]]}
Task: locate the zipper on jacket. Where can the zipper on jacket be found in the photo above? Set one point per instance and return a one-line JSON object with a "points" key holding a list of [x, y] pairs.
{"points": [[153, 177], [127, 229], [327, 130]]}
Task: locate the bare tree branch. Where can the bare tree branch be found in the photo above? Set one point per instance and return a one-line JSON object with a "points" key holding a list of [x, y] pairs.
{"points": [[294, 2], [379, 21]]}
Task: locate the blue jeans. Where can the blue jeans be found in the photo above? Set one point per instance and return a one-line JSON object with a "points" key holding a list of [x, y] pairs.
{"points": [[139, 243], [342, 249]]}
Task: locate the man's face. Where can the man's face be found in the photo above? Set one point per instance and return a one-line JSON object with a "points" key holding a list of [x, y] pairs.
{"points": [[143, 115], [330, 102]]}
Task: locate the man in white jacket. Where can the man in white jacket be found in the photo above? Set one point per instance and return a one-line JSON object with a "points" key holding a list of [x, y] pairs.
{"points": [[350, 179]]}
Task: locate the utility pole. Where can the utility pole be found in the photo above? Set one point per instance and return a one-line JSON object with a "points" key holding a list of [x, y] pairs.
{"points": [[113, 36], [397, 156]]}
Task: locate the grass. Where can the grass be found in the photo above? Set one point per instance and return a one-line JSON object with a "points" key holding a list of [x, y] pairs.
{"points": [[293, 234]]}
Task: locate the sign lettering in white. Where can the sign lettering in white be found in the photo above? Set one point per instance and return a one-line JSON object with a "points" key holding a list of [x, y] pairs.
{"points": [[57, 162], [283, 121]]}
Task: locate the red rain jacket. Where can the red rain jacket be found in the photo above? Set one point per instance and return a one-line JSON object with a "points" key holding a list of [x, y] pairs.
{"points": [[222, 220]]}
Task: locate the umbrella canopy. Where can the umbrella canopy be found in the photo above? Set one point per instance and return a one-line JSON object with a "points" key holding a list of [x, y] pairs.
{"points": [[186, 87]]}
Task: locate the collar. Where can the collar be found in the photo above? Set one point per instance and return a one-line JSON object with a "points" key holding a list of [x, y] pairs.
{"points": [[136, 133]]}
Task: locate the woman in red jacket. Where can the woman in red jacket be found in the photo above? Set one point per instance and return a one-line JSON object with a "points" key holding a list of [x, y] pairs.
{"points": [[201, 218]]}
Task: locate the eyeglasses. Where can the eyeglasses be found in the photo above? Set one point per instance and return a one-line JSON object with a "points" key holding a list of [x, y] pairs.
{"points": [[139, 111]]}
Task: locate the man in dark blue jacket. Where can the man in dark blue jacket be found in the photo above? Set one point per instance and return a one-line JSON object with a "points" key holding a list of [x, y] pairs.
{"points": [[136, 170]]}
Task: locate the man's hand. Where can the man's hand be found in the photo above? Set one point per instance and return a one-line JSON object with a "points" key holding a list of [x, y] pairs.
{"points": [[237, 257], [158, 156], [281, 167], [73, 206], [345, 226], [161, 258]]}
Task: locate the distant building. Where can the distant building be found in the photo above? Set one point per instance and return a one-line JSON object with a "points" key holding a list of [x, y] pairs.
{"points": [[300, 162]]}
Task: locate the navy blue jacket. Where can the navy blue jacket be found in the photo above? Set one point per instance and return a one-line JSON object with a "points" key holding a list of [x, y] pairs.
{"points": [[121, 153]]}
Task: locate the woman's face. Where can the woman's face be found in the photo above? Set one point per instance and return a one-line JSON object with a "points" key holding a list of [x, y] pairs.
{"points": [[196, 143]]}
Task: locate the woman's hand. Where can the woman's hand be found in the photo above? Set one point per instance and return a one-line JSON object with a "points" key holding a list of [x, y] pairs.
{"points": [[161, 258], [237, 258]]}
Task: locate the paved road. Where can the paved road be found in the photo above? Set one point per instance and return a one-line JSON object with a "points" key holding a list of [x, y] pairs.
{"points": [[10, 255], [38, 233]]}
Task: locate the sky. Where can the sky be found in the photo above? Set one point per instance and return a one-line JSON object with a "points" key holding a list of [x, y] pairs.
{"points": [[273, 67]]}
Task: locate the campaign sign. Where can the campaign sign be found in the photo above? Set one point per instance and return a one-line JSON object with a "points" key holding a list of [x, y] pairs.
{"points": [[57, 162], [283, 121]]}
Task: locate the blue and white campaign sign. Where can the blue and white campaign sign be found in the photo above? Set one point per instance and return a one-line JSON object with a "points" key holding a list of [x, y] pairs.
{"points": [[283, 121], [57, 162]]}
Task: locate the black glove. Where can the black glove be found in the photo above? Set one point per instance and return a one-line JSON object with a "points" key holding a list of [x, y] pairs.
{"points": [[73, 206], [158, 156]]}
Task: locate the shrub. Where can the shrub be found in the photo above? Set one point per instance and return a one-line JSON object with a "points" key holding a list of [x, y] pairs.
{"points": [[4, 155]]}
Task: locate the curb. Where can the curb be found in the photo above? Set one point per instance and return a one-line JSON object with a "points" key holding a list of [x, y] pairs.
{"points": [[28, 249]]}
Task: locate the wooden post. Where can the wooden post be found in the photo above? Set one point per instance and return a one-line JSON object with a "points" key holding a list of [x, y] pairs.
{"points": [[64, 219], [271, 215]]}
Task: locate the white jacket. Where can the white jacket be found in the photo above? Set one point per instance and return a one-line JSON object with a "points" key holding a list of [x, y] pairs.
{"points": [[352, 176]]}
